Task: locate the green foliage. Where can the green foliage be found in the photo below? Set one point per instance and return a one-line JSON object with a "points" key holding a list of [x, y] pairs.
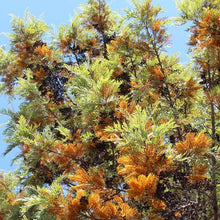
{"points": [[134, 132], [6, 58], [9, 184], [26, 27], [93, 88], [38, 200]]}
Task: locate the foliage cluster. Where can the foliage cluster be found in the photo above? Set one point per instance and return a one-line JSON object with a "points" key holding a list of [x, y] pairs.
{"points": [[111, 126]]}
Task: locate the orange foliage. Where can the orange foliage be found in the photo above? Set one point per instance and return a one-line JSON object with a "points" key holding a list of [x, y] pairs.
{"points": [[196, 178], [198, 174], [117, 72], [140, 184], [156, 25], [93, 181], [158, 204], [94, 199], [25, 149], [40, 73], [73, 208], [66, 153], [128, 212], [148, 125], [178, 214], [96, 178], [125, 108], [191, 88], [80, 176], [194, 143], [43, 51], [140, 163], [156, 72], [204, 34], [107, 90]]}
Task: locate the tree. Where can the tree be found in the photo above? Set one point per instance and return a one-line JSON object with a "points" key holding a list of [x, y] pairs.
{"points": [[110, 126], [205, 40]]}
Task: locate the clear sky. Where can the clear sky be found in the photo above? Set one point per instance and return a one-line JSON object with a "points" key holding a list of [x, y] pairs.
{"points": [[59, 12]]}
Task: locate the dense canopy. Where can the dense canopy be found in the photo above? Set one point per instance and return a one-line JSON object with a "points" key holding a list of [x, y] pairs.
{"points": [[110, 126]]}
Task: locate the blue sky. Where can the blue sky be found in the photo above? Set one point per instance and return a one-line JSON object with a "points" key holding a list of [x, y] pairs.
{"points": [[58, 12]]}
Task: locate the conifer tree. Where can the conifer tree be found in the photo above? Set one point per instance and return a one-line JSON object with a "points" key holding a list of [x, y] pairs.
{"points": [[110, 126]]}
